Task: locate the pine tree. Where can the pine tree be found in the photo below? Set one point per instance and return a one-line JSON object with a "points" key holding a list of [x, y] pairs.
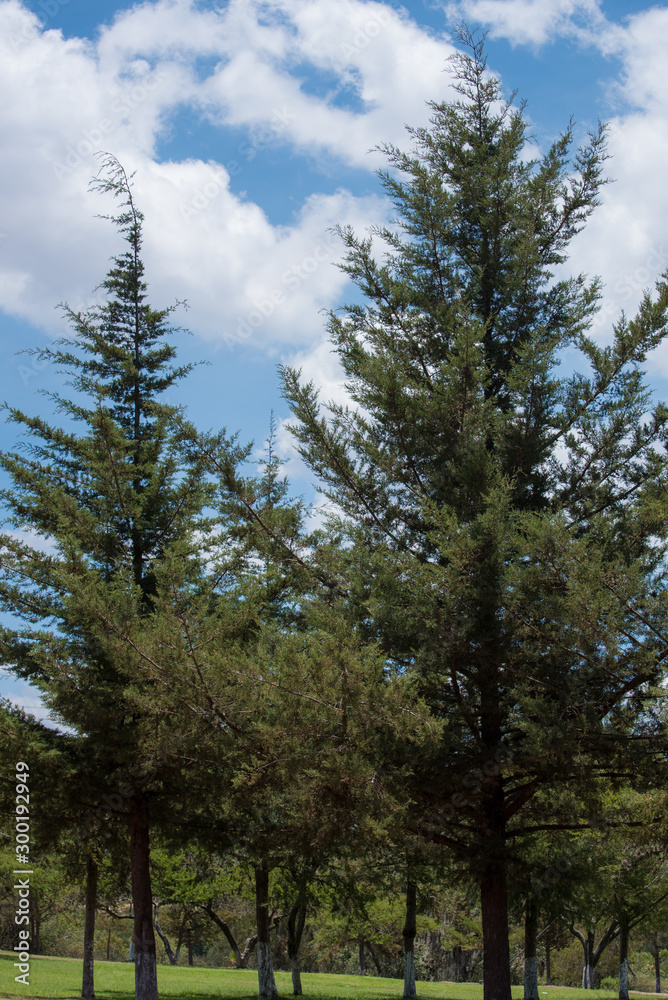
{"points": [[505, 525], [299, 714], [106, 495]]}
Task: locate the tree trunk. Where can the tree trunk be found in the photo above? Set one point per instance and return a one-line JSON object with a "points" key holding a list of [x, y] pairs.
{"points": [[109, 944], [657, 964], [530, 950], [173, 958], [457, 961], [190, 950], [296, 972], [296, 921], [623, 956], [496, 954], [362, 957], [493, 875], [181, 933], [143, 938], [249, 948], [35, 929], [239, 959], [88, 979], [409, 941], [548, 968], [588, 967], [374, 956], [265, 968]]}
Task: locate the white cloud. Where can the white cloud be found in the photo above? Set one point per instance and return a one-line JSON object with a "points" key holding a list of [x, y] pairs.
{"points": [[63, 99], [271, 281], [642, 46], [328, 81], [535, 22], [625, 242]]}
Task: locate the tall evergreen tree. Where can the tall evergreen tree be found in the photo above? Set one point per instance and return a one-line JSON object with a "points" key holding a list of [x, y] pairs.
{"points": [[300, 716], [108, 494], [506, 525]]}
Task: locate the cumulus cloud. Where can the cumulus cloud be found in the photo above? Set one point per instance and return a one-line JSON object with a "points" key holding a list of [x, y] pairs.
{"points": [[535, 22], [247, 65], [328, 82], [625, 241], [252, 282]]}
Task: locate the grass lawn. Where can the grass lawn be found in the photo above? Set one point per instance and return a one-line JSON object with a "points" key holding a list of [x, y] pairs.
{"points": [[61, 978]]}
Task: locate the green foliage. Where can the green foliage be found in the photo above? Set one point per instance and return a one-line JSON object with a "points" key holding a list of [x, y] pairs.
{"points": [[469, 655], [505, 525], [93, 506]]}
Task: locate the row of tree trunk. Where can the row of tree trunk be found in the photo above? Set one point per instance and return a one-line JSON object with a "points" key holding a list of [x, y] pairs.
{"points": [[296, 918], [145, 920], [618, 928]]}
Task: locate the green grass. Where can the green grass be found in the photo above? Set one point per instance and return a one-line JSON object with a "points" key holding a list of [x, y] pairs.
{"points": [[60, 978]]}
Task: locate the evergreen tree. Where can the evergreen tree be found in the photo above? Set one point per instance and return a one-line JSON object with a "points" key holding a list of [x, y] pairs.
{"points": [[108, 493], [505, 525], [299, 714]]}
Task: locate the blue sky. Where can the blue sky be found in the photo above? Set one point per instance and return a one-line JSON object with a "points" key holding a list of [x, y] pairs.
{"points": [[249, 125]]}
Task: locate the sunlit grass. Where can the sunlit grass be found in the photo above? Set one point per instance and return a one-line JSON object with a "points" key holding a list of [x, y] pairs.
{"points": [[60, 978]]}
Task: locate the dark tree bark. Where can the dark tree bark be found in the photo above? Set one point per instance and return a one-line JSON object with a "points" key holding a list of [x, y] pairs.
{"points": [[172, 958], [591, 954], [143, 937], [493, 876], [36, 930], [239, 959], [108, 944], [374, 956], [530, 950], [296, 921], [362, 958], [588, 967], [657, 964], [88, 979], [548, 967], [623, 956], [409, 942], [265, 968], [494, 904], [249, 948]]}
